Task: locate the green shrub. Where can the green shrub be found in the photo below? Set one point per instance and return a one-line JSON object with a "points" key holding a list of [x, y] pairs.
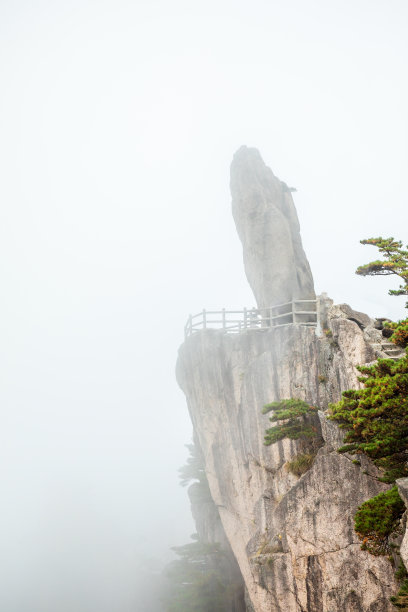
{"points": [[401, 572], [400, 335], [400, 601], [377, 518], [301, 463], [376, 418]]}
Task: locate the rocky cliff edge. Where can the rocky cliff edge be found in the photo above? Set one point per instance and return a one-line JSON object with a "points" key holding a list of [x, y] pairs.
{"points": [[292, 536]]}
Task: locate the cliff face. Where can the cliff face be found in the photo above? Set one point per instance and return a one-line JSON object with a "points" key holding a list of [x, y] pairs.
{"points": [[292, 536]]}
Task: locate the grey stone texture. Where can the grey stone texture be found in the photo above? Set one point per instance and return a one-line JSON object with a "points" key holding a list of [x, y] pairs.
{"points": [[267, 223], [402, 484], [292, 537]]}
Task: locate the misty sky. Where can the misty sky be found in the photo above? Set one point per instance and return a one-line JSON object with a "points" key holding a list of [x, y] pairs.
{"points": [[118, 124]]}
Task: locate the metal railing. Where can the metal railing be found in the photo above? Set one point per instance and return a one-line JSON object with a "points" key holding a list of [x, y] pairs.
{"points": [[296, 312]]}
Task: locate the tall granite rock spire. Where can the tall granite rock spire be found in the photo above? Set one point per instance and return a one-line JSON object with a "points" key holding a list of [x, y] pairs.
{"points": [[291, 534], [267, 223]]}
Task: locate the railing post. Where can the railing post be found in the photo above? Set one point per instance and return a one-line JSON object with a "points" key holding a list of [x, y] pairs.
{"points": [[311, 314], [318, 318]]}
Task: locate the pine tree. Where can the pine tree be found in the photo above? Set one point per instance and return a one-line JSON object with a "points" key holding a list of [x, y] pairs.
{"points": [[193, 468], [199, 580], [193, 473], [292, 412], [376, 417], [395, 262]]}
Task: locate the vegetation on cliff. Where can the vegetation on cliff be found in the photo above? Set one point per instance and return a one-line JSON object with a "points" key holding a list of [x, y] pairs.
{"points": [[193, 472], [376, 416], [193, 469], [199, 580], [395, 261], [377, 519], [294, 426], [400, 329], [400, 600], [301, 463], [296, 420], [195, 582], [376, 419]]}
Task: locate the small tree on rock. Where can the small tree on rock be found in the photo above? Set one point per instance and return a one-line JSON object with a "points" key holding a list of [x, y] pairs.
{"points": [[292, 412], [395, 262]]}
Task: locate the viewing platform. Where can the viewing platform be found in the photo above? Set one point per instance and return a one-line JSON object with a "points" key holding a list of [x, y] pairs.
{"points": [[297, 312]]}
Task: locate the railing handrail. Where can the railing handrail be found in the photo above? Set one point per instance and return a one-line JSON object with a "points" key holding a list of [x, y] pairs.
{"points": [[252, 318]]}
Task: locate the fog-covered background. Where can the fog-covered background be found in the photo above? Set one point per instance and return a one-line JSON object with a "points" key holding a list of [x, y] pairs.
{"points": [[118, 123]]}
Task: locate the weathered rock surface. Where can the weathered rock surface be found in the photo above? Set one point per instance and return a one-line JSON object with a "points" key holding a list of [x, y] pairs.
{"points": [[265, 216], [403, 491], [293, 537]]}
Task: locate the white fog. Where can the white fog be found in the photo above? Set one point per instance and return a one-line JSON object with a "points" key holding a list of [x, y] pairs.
{"points": [[119, 121]]}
